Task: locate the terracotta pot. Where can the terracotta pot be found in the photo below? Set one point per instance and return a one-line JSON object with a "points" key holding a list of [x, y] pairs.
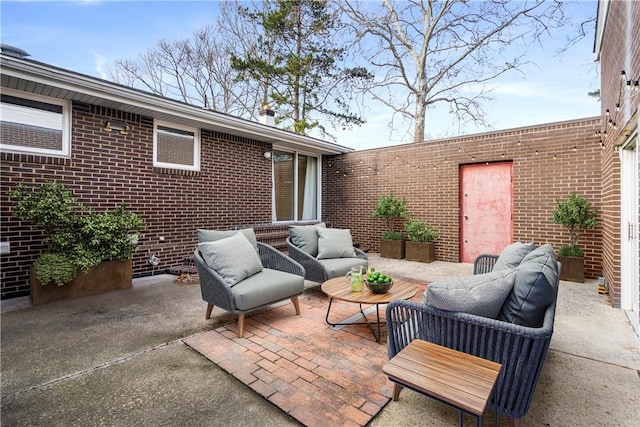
{"points": [[572, 268], [421, 252], [392, 249], [103, 277]]}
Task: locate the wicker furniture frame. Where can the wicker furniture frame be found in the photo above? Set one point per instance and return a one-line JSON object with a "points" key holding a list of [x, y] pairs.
{"points": [[519, 349], [314, 270]]}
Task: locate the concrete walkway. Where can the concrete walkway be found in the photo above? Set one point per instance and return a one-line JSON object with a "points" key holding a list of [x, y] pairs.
{"points": [[118, 359]]}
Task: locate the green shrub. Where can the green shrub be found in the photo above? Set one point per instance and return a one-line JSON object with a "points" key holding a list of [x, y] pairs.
{"points": [[53, 267], [77, 238], [393, 235], [570, 251], [419, 231]]}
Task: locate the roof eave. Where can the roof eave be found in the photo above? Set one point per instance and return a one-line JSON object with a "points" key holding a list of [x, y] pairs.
{"points": [[118, 94]]}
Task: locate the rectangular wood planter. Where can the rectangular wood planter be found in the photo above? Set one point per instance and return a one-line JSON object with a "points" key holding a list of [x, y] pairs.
{"points": [[392, 249], [103, 277], [571, 268], [421, 252]]}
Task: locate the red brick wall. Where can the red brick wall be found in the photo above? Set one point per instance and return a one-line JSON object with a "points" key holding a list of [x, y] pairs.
{"points": [[427, 174], [108, 168], [620, 51]]}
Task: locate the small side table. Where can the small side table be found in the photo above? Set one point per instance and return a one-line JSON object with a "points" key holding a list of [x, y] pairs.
{"points": [[457, 379]]}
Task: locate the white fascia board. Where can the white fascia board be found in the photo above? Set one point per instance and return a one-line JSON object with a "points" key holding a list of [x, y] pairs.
{"points": [[63, 79], [601, 24]]}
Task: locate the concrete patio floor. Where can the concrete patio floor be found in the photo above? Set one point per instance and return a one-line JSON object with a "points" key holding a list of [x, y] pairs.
{"points": [[118, 359]]}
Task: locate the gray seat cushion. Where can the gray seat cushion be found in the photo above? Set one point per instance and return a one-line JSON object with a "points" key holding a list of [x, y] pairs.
{"points": [[480, 294], [534, 289], [305, 237], [512, 255], [336, 267], [266, 287]]}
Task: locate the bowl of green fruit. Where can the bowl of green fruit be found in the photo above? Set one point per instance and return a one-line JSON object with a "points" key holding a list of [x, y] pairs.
{"points": [[377, 282]]}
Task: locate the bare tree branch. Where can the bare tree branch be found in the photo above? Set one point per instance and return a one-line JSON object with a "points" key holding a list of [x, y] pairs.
{"points": [[439, 50]]}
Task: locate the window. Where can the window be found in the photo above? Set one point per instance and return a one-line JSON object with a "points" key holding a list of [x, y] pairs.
{"points": [[176, 147], [295, 186], [34, 124]]}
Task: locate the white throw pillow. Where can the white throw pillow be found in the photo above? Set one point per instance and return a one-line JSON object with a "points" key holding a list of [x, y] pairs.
{"points": [[233, 258], [335, 243]]}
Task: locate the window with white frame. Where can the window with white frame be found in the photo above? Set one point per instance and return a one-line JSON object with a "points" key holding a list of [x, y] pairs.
{"points": [[296, 186], [176, 146], [34, 124]]}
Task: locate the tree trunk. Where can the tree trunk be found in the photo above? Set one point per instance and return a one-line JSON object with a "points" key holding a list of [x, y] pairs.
{"points": [[419, 119]]}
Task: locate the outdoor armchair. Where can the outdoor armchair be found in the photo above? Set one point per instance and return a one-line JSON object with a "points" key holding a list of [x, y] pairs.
{"points": [[520, 349], [321, 270], [279, 278]]}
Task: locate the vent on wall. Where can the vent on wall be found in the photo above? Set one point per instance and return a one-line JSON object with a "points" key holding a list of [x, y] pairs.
{"points": [[13, 51]]}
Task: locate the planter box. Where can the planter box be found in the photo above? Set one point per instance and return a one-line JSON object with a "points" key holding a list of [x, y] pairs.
{"points": [[421, 252], [572, 268], [392, 249], [103, 277]]}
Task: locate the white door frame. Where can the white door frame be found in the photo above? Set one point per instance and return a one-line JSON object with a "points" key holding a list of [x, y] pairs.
{"points": [[629, 292]]}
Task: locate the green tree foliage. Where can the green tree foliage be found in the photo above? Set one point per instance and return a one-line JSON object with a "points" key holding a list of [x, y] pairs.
{"points": [[577, 215], [296, 60], [390, 209]]}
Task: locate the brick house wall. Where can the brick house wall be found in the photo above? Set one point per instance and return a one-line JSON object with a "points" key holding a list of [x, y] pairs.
{"points": [[109, 168], [620, 50], [549, 162]]}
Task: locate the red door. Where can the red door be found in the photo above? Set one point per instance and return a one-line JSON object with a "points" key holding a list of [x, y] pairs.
{"points": [[486, 209]]}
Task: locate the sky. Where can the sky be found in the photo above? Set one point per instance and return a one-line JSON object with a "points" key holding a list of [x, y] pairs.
{"points": [[89, 36]]}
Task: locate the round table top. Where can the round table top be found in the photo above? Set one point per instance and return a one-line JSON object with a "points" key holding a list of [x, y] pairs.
{"points": [[339, 288]]}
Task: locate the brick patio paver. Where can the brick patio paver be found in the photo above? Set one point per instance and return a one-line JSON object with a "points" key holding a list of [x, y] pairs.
{"points": [[319, 375]]}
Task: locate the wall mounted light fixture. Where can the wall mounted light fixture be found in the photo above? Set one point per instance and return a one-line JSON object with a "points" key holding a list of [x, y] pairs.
{"points": [[267, 154], [118, 125]]}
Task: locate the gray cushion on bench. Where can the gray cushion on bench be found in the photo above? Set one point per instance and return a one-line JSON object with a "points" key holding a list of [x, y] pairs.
{"points": [[265, 287], [336, 267], [534, 289], [481, 294], [512, 255]]}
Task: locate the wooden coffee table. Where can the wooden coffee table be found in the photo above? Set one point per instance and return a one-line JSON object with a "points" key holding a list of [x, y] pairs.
{"points": [[340, 289]]}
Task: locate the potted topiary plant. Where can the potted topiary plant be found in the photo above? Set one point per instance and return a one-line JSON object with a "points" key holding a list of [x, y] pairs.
{"points": [[577, 215], [391, 209], [420, 246], [87, 252]]}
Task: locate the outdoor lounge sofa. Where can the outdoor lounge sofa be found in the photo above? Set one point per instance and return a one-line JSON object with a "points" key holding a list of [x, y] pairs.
{"points": [[518, 337], [239, 274], [324, 253]]}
